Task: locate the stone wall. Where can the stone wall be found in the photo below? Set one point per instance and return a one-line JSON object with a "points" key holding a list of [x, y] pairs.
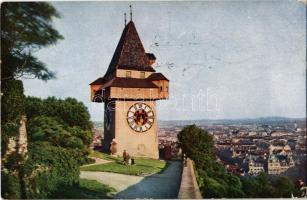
{"points": [[138, 144], [22, 143], [19, 143], [189, 188]]}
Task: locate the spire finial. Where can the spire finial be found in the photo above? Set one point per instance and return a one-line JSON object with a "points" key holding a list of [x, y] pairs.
{"points": [[130, 12], [125, 19]]}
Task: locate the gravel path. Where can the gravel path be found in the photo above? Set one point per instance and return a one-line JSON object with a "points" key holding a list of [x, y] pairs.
{"points": [[98, 161], [161, 186]]}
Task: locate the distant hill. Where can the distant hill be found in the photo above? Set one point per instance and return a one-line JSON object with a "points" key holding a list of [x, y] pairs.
{"points": [[247, 121], [202, 122]]}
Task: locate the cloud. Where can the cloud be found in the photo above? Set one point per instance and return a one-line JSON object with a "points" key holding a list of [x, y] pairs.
{"points": [[250, 54]]}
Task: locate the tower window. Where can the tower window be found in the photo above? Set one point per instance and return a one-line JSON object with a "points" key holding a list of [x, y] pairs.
{"points": [[142, 74], [128, 74], [166, 89]]}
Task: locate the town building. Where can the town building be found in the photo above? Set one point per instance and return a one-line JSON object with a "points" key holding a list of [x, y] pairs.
{"points": [[278, 164], [255, 168]]}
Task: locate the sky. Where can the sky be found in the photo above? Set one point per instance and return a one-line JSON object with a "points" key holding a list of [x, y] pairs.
{"points": [[224, 59]]}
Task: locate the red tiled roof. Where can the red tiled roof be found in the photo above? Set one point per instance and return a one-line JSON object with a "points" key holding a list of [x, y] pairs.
{"points": [[130, 83], [98, 81], [157, 76], [129, 53]]}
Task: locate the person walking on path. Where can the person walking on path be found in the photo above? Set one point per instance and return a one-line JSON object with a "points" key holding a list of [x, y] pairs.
{"points": [[125, 156]]}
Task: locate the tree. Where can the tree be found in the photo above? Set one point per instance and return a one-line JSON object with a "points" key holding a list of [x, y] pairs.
{"points": [[48, 168], [85, 135], [234, 186], [11, 188], [265, 188], [250, 187], [262, 187], [285, 187], [197, 144], [44, 128], [25, 28], [34, 107], [213, 180], [213, 189], [69, 111]]}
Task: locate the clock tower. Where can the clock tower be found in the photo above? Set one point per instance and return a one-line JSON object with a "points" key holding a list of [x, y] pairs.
{"points": [[129, 90]]}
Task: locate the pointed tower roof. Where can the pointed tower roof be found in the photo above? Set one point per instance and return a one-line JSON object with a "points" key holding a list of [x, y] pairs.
{"points": [[130, 53]]}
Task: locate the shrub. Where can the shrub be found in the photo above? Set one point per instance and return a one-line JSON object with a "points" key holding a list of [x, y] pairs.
{"points": [[48, 168], [10, 187]]}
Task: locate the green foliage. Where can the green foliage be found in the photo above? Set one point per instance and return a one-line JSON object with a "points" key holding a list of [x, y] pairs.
{"points": [[97, 154], [57, 146], [214, 189], [26, 27], [258, 187], [70, 111], [225, 185], [44, 128], [8, 130], [197, 144], [285, 187], [250, 186], [49, 167], [142, 166], [234, 189], [262, 187], [12, 107], [85, 189], [85, 136], [215, 182], [10, 187], [73, 142], [13, 162], [34, 107], [12, 101], [58, 131]]}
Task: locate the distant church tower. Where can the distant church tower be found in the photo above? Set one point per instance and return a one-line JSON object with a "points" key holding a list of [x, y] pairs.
{"points": [[129, 90]]}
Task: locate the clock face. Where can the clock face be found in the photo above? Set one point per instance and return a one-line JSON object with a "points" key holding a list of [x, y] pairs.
{"points": [[140, 117]]}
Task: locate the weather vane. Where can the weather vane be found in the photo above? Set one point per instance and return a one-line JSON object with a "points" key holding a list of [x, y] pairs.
{"points": [[125, 19], [130, 12]]}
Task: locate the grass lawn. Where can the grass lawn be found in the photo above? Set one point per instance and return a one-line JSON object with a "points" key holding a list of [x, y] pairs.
{"points": [[104, 156], [142, 166], [87, 189]]}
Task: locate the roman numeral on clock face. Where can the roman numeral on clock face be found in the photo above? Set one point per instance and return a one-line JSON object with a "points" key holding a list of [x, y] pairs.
{"points": [[140, 117]]}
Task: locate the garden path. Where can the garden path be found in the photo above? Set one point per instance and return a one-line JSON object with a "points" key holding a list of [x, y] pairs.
{"points": [[163, 186]]}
